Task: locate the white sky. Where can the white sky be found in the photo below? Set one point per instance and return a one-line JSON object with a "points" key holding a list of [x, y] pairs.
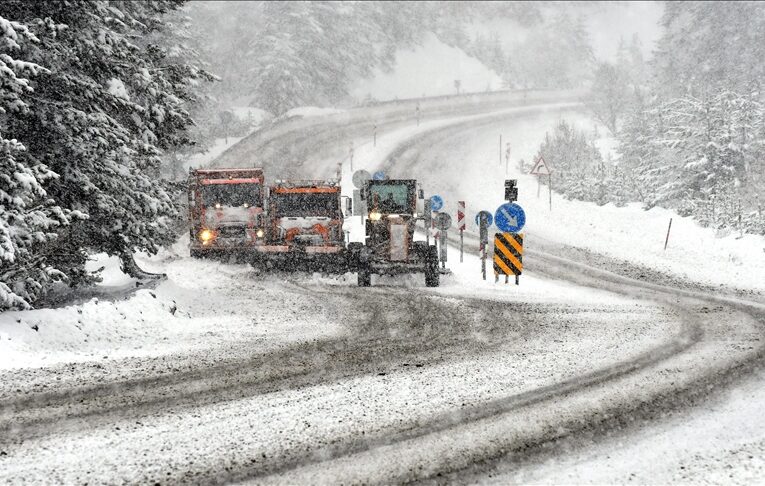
{"points": [[607, 21]]}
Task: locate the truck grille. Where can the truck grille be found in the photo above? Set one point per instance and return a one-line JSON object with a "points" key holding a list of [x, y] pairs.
{"points": [[232, 232]]}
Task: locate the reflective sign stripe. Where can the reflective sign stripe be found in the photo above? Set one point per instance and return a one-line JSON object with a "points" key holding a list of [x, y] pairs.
{"points": [[461, 215], [508, 251]]}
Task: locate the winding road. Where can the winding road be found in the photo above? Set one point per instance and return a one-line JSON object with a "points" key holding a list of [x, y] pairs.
{"points": [[408, 384]]}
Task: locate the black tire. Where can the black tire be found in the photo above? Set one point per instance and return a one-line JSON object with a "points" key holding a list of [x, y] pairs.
{"points": [[364, 276], [197, 253], [353, 254], [432, 277]]}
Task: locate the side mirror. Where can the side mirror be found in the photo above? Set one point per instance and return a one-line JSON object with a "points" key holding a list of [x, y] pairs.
{"points": [[348, 206], [420, 194]]}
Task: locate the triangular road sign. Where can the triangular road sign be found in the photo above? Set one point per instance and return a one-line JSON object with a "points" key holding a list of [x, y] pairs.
{"points": [[541, 168]]}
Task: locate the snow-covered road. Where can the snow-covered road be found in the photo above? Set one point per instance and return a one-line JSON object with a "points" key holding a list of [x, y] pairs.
{"points": [[309, 379]]}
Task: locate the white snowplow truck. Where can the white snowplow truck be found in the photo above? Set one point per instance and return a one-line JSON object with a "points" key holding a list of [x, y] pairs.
{"points": [[389, 247], [226, 215], [305, 227]]}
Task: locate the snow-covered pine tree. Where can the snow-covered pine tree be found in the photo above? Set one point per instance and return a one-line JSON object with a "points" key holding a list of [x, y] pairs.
{"points": [[580, 172], [183, 42], [28, 217], [100, 118]]}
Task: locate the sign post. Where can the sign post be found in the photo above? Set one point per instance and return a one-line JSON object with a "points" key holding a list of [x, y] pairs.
{"points": [[483, 219], [541, 168], [359, 178], [443, 223], [508, 245], [461, 224]]}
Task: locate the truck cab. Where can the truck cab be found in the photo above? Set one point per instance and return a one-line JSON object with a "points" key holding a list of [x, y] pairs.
{"points": [[305, 222], [389, 247], [226, 211]]}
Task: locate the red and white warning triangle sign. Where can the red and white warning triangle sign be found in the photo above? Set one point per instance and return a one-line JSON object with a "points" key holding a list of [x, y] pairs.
{"points": [[541, 168]]}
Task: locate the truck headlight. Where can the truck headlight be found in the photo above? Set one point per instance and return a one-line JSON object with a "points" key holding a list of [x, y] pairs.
{"points": [[375, 216], [260, 233], [206, 236]]}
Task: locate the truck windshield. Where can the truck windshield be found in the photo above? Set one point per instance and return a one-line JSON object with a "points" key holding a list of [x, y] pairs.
{"points": [[306, 204], [390, 198], [233, 195]]}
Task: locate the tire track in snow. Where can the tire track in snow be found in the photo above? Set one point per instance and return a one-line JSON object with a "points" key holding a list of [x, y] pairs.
{"points": [[714, 376]]}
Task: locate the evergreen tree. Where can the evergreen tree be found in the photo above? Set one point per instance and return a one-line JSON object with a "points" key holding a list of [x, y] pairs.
{"points": [[28, 217], [101, 115]]}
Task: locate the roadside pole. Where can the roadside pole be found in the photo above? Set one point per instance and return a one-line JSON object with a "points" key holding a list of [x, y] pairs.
{"points": [[549, 186], [374, 136], [666, 241], [483, 218], [507, 159], [461, 225]]}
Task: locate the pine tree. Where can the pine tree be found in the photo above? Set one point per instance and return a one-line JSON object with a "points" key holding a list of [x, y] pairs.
{"points": [[28, 217], [108, 106]]}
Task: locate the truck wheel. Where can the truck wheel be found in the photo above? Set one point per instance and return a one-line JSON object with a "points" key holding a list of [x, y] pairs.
{"points": [[353, 255], [196, 253], [364, 276], [431, 268]]}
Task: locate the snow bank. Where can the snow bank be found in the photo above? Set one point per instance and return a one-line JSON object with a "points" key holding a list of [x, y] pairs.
{"points": [[428, 70], [202, 305]]}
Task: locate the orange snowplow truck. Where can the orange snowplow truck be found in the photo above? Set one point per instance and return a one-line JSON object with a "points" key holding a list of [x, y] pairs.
{"points": [[305, 226], [226, 211]]}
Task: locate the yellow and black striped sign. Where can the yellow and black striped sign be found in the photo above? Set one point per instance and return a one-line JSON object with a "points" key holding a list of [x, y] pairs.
{"points": [[508, 253]]}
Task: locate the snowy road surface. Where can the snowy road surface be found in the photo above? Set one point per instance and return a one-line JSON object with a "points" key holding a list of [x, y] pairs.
{"points": [[221, 374]]}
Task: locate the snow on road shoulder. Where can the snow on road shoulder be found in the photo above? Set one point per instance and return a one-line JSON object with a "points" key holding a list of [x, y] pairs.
{"points": [[202, 304], [466, 280]]}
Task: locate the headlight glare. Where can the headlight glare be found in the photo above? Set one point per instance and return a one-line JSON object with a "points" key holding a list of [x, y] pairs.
{"points": [[206, 235]]}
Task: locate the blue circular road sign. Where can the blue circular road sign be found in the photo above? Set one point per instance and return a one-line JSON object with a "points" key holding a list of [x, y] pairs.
{"points": [[379, 176], [489, 218], [436, 202], [510, 217]]}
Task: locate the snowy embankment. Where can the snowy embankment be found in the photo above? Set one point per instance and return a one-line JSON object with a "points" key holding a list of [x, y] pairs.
{"points": [[201, 305], [256, 118]]}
